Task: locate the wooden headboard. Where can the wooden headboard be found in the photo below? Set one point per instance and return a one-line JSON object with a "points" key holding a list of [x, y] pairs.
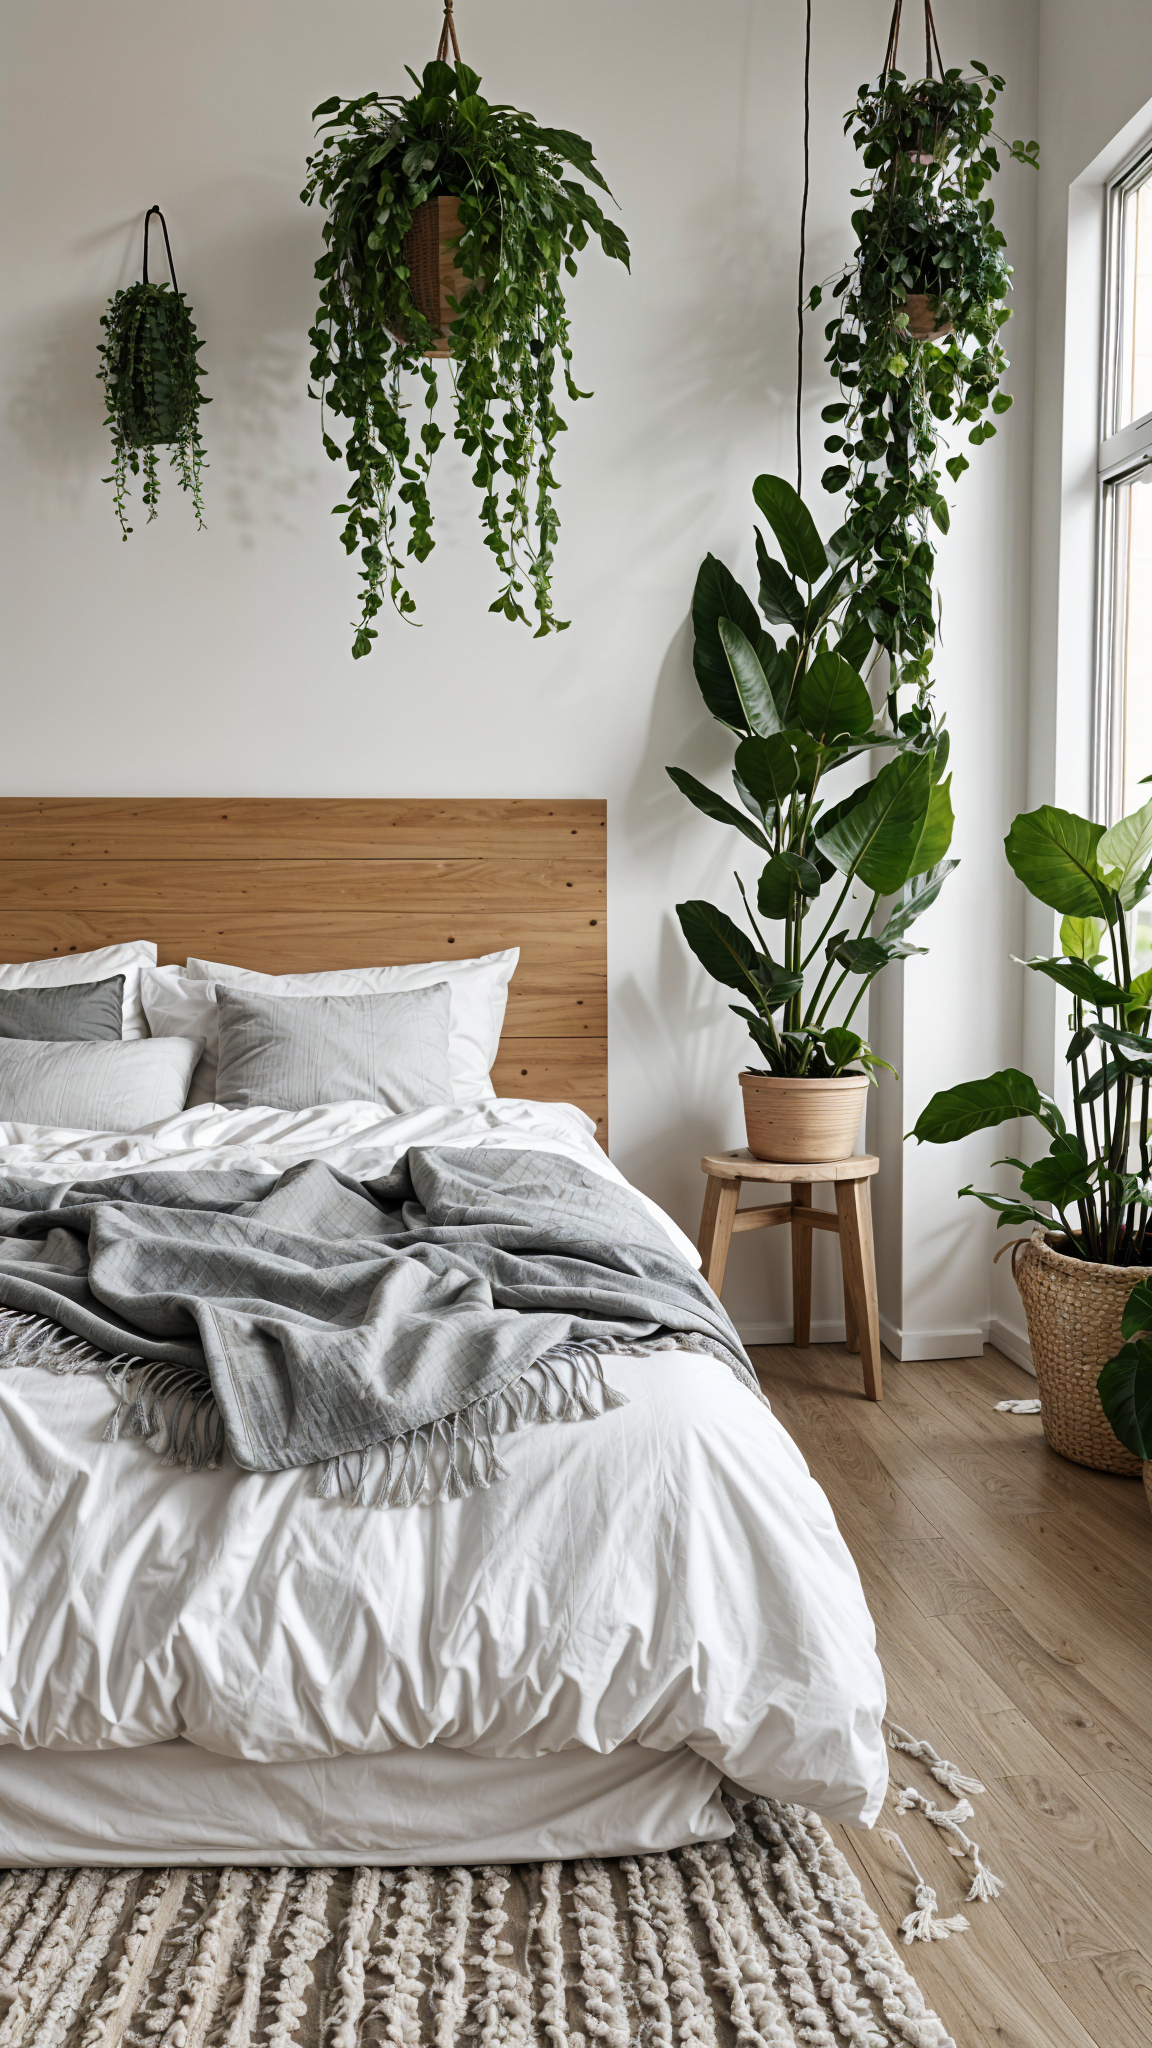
{"points": [[296, 885]]}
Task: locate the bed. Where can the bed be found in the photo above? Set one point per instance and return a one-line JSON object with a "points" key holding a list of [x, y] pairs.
{"points": [[217, 1666]]}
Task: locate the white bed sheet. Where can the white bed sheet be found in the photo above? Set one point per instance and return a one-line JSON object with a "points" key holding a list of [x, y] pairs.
{"points": [[668, 1574], [173, 1803]]}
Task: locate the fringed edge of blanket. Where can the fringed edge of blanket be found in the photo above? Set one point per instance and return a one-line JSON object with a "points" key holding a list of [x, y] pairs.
{"points": [[173, 1409]]}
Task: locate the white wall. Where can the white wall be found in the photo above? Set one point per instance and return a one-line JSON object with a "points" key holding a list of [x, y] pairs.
{"points": [[219, 663]]}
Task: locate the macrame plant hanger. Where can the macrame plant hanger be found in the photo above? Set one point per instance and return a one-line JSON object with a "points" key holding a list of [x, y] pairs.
{"points": [[931, 41], [448, 37], [167, 246]]}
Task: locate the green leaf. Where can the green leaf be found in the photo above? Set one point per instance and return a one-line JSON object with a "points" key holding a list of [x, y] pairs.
{"points": [[856, 645], [722, 949], [1081, 938], [841, 1046], [793, 525], [1140, 993], [718, 596], [1079, 979], [767, 768], [717, 807], [1123, 854], [780, 600], [782, 877], [915, 898], [1136, 1320], [978, 1105], [756, 699], [1125, 1390], [1053, 853], [1134, 1053], [936, 836], [832, 699], [878, 839], [1060, 1177], [868, 956]]}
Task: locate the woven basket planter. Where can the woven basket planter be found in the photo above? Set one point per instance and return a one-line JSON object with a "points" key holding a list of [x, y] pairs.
{"points": [[1073, 1310], [435, 275]]}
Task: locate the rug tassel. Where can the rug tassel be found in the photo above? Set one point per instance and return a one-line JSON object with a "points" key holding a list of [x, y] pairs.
{"points": [[947, 1774], [985, 1884], [924, 1923]]}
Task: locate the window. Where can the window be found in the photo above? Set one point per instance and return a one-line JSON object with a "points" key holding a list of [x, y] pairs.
{"points": [[1124, 699]]}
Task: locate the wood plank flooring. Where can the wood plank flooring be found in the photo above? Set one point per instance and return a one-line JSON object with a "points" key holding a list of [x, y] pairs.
{"points": [[1012, 1593]]}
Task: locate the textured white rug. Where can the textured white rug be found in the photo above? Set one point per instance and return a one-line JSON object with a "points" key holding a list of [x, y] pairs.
{"points": [[763, 1939]]}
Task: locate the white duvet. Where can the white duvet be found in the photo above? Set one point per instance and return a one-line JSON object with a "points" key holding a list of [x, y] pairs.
{"points": [[667, 1574]]}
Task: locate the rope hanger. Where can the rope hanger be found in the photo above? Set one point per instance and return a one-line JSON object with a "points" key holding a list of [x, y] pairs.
{"points": [[167, 245], [931, 40], [448, 31]]}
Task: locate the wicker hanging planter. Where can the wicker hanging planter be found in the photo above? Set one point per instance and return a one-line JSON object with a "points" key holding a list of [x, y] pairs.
{"points": [[923, 323], [1073, 1309], [435, 276]]}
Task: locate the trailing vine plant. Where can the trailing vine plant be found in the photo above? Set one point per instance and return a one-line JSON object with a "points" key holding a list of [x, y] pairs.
{"points": [[925, 229], [151, 378], [523, 223]]}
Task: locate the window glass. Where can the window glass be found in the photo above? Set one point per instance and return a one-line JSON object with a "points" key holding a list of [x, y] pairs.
{"points": [[1134, 367]]}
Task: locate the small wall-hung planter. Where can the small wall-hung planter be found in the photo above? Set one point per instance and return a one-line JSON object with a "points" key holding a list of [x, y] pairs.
{"points": [[151, 378]]}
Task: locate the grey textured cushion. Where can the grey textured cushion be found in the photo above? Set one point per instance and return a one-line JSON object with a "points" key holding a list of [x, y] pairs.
{"points": [[295, 1052], [79, 1009], [121, 1087]]}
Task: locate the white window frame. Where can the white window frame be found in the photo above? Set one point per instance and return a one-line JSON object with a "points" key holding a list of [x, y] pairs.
{"points": [[1123, 454]]}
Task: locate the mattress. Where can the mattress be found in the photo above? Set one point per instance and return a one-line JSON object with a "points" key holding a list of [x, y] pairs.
{"points": [[174, 1803], [665, 1578]]}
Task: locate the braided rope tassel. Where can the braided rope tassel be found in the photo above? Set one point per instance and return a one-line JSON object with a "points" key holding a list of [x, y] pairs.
{"points": [[985, 1885], [947, 1774], [922, 1924]]}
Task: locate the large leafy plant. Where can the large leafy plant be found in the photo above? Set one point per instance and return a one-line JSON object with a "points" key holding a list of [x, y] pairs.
{"points": [[799, 708], [925, 225], [1097, 1177], [523, 223], [151, 375], [1125, 1385]]}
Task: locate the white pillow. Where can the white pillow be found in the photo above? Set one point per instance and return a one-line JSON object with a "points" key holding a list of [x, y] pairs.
{"points": [[96, 1084], [479, 998], [177, 1007], [127, 960]]}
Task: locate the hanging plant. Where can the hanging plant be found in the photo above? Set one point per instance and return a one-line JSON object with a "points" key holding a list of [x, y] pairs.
{"points": [[449, 227], [151, 379], [916, 344]]}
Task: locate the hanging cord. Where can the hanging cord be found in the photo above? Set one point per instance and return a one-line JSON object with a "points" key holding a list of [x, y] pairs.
{"points": [[167, 244], [931, 41], [803, 234], [448, 30]]}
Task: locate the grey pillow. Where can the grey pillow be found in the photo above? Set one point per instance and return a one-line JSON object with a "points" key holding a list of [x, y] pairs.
{"points": [[296, 1052], [77, 1010], [75, 1087]]}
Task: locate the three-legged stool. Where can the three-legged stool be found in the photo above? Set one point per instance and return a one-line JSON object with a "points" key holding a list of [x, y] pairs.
{"points": [[852, 1221]]}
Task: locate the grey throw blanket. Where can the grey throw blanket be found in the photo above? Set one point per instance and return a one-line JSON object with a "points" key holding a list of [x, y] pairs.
{"points": [[307, 1317]]}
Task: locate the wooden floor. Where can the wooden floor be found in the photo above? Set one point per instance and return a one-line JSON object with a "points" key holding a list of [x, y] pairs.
{"points": [[1012, 1594]]}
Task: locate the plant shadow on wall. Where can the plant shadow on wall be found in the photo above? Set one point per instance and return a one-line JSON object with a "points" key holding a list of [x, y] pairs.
{"points": [[449, 224]]}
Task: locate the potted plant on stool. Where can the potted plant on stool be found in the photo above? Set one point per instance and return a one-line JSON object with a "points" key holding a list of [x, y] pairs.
{"points": [[799, 710], [1082, 1273]]}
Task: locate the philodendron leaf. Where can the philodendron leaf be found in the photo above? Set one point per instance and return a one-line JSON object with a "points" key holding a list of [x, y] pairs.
{"points": [[784, 874], [1136, 1320], [780, 600], [1125, 1390], [831, 700], [856, 645], [978, 1105], [868, 956], [1123, 854], [878, 838], [1054, 854], [756, 699], [1079, 978], [936, 834], [793, 525], [1060, 1177], [1140, 993], [722, 948], [718, 596], [1081, 938], [914, 899], [1134, 1052], [841, 1046], [767, 767], [717, 807]]}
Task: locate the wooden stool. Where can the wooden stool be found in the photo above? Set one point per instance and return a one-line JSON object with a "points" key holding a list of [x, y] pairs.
{"points": [[852, 1222]]}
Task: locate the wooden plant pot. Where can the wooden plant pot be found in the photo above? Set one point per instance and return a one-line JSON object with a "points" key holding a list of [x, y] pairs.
{"points": [[435, 276], [1073, 1309], [923, 323], [809, 1122]]}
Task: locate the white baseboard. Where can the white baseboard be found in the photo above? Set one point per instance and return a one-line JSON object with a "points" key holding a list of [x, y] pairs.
{"points": [[825, 1331], [1012, 1342], [913, 1345]]}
